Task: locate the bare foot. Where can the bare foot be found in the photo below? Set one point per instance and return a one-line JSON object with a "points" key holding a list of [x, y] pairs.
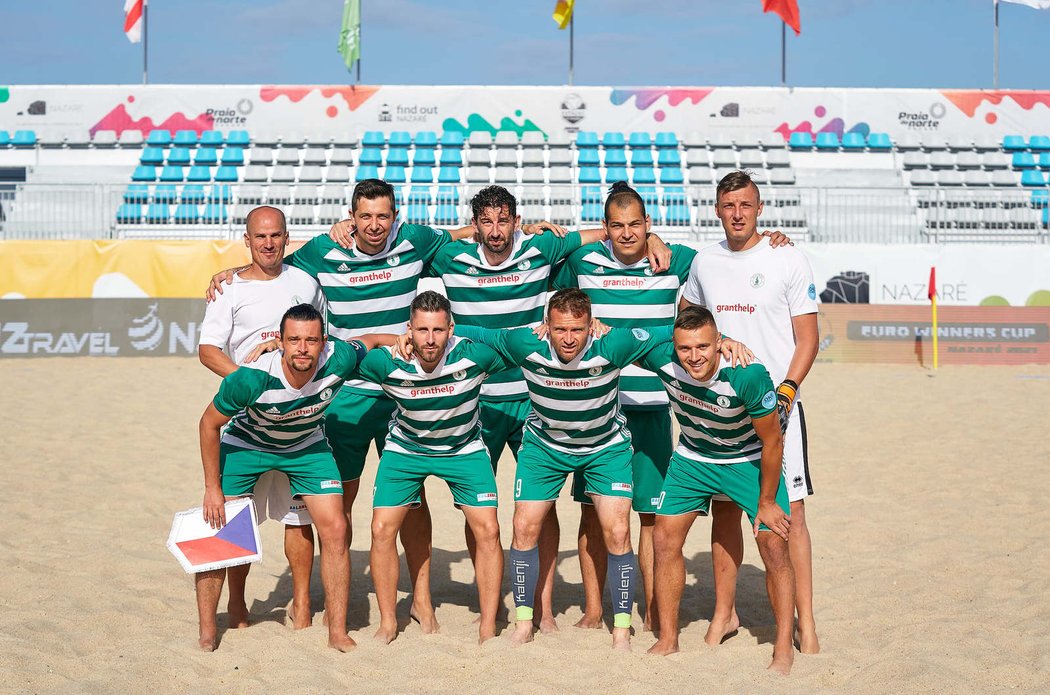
{"points": [[341, 642], [523, 633], [664, 647], [782, 662], [485, 634], [301, 619], [622, 639], [807, 641], [238, 615], [208, 640], [548, 626], [426, 619], [718, 631], [647, 624], [386, 633], [590, 622]]}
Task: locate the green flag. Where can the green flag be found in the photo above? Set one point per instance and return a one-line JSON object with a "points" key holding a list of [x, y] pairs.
{"points": [[350, 36]]}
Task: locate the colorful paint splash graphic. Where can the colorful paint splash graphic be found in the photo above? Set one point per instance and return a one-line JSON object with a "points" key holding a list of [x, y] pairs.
{"points": [[969, 101], [353, 95], [833, 125], [476, 123], [644, 98], [119, 120]]}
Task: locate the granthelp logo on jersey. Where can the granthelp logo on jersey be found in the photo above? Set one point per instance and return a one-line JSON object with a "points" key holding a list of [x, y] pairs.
{"points": [[326, 394], [524, 265], [640, 333], [769, 400], [723, 401], [757, 280], [393, 260], [594, 371], [146, 332]]}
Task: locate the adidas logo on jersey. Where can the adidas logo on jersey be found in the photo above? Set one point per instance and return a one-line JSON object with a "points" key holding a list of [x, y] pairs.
{"points": [[406, 382], [343, 267], [273, 411], [674, 382], [599, 270], [472, 270], [541, 370]]}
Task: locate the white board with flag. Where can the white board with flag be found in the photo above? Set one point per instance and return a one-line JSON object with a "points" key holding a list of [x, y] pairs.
{"points": [[200, 548]]}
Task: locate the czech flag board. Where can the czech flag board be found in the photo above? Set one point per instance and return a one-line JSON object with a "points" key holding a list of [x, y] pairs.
{"points": [[200, 548]]}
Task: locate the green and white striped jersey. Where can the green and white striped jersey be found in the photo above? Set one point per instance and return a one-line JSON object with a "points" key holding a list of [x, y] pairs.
{"points": [[370, 294], [437, 412], [715, 416], [509, 295], [627, 296], [269, 414], [575, 408]]}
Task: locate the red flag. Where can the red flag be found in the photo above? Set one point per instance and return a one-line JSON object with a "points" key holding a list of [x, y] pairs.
{"points": [[133, 19], [788, 11], [932, 291]]}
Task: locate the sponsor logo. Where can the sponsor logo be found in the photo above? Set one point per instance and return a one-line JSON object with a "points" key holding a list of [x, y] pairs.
{"points": [[487, 497], [511, 279], [541, 370], [384, 114], [594, 371], [331, 485], [433, 390], [757, 280], [640, 333], [797, 481], [401, 113], [297, 413], [368, 278], [273, 411], [848, 287], [599, 271], [621, 487], [460, 375], [393, 261], [675, 383], [573, 110], [326, 394], [660, 500], [742, 308], [524, 265], [406, 383], [812, 291], [769, 400], [567, 383], [472, 270], [684, 397], [632, 283], [147, 331], [343, 267], [931, 120], [655, 501], [228, 116], [19, 340], [266, 335], [723, 401], [648, 271], [730, 110]]}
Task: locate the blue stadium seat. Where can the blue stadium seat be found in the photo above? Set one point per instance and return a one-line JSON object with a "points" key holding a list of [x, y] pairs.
{"points": [[615, 158], [423, 157], [136, 193], [422, 175], [655, 212], [452, 139], [614, 174], [644, 157], [1033, 177], [677, 214], [446, 214], [186, 214], [372, 156], [172, 174], [158, 138], [591, 212], [400, 138], [449, 174], [588, 158], [666, 139], [1012, 143], [1044, 160], [367, 171], [674, 195], [586, 139], [158, 213], [373, 138], [193, 193], [668, 158], [649, 195], [207, 156], [152, 156], [399, 195], [395, 156], [24, 138], [417, 214], [144, 173], [185, 138], [1023, 160], [1039, 143], [214, 214], [451, 157], [179, 156], [671, 175], [590, 175], [827, 141], [644, 175], [1040, 198], [211, 138], [199, 174], [226, 174], [5, 138], [233, 156], [613, 139], [448, 195], [879, 141], [591, 194], [426, 138], [129, 213], [800, 141], [1046, 217], [853, 141], [219, 194], [165, 193], [640, 140], [238, 138], [394, 173]]}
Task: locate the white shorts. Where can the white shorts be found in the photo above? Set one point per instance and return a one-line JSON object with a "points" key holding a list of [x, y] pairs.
{"points": [[273, 500]]}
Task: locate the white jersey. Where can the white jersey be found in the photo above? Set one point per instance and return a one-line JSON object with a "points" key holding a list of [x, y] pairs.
{"points": [[249, 311], [753, 295]]}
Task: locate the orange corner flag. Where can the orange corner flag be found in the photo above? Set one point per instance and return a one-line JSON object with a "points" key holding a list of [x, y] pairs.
{"points": [[931, 293], [788, 11], [563, 13]]}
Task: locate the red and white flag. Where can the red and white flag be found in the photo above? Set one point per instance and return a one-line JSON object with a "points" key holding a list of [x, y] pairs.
{"points": [[133, 19]]}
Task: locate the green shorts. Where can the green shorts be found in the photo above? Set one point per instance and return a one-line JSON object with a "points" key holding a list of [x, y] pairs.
{"points": [[351, 423], [502, 423], [651, 438], [542, 471], [399, 480], [310, 471], [690, 484]]}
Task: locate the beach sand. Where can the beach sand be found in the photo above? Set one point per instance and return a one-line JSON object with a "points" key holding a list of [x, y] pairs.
{"points": [[930, 556]]}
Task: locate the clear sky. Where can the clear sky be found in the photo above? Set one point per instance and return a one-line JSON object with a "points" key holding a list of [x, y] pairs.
{"points": [[844, 43]]}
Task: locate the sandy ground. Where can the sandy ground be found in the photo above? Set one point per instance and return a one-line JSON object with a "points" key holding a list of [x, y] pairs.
{"points": [[930, 554]]}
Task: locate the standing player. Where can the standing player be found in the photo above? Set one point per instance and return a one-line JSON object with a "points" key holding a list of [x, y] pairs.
{"points": [[247, 314], [575, 427], [767, 300], [277, 405], [435, 431], [730, 444]]}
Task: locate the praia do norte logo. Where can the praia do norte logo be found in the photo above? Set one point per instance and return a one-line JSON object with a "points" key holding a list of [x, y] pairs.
{"points": [[923, 120], [227, 116]]}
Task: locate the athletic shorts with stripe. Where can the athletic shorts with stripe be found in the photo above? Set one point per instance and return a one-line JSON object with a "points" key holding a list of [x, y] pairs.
{"points": [[399, 480], [542, 471], [310, 471]]}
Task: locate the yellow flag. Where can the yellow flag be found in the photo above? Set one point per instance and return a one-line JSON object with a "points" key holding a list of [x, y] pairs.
{"points": [[563, 12]]}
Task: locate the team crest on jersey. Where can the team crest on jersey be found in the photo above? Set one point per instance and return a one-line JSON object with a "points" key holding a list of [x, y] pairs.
{"points": [[343, 268], [648, 271], [393, 260], [472, 270], [640, 333], [594, 371], [460, 375], [757, 280], [525, 265], [326, 394], [722, 401], [273, 411]]}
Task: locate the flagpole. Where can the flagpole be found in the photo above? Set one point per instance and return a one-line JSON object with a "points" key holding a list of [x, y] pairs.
{"points": [[995, 50], [145, 42], [360, 24], [572, 20], [783, 54]]}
